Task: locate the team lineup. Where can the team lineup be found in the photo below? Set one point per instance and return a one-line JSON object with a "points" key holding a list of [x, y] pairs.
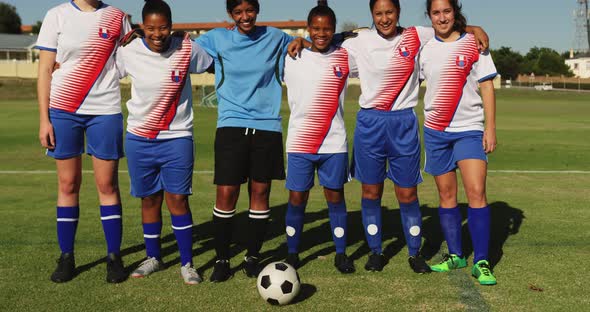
{"points": [[87, 46]]}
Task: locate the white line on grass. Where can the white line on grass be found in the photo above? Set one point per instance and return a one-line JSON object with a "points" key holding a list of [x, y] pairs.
{"points": [[204, 172]]}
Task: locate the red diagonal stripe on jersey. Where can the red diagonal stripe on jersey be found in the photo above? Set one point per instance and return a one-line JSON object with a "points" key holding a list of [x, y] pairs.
{"points": [[453, 78], [94, 55], [400, 69], [166, 102], [318, 120]]}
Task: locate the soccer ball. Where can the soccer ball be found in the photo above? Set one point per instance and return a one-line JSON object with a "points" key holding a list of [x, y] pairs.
{"points": [[278, 283]]}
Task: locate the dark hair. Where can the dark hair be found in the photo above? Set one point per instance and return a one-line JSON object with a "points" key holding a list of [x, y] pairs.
{"points": [[394, 2], [232, 4], [322, 10], [460, 20], [159, 7]]}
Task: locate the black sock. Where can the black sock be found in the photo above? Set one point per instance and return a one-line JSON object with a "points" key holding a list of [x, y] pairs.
{"points": [[258, 223], [223, 224]]}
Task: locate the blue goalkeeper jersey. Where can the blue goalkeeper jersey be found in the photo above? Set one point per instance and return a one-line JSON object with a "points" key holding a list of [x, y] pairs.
{"points": [[248, 73]]}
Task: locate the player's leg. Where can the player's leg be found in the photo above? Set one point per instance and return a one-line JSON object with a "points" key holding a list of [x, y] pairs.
{"points": [[177, 176], [105, 143], [440, 163], [69, 138], [472, 160], [404, 170], [151, 218], [231, 170], [333, 174], [266, 164], [300, 179], [368, 166], [144, 164]]}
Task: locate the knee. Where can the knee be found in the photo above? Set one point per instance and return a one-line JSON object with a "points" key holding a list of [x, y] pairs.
{"points": [[260, 192], [297, 198], [371, 192], [177, 204], [447, 195], [406, 195], [476, 195], [69, 185], [108, 187]]}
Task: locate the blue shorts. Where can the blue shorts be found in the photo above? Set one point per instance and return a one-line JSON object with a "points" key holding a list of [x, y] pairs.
{"points": [[332, 170], [387, 137], [104, 135], [445, 149], [156, 165]]}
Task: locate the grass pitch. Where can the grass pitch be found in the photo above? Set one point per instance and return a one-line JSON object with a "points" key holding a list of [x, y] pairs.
{"points": [[537, 187]]}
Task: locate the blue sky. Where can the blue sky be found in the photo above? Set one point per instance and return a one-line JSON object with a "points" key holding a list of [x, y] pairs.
{"points": [[520, 24]]}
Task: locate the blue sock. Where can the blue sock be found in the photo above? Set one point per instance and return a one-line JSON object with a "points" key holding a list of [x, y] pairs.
{"points": [[337, 213], [371, 213], [67, 223], [183, 230], [479, 227], [112, 226], [294, 226], [450, 222], [412, 224], [151, 237]]}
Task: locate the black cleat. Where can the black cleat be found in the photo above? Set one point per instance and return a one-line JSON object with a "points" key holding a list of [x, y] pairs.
{"points": [[251, 266], [66, 268], [293, 260], [115, 269], [221, 271], [344, 264], [418, 264], [375, 263]]}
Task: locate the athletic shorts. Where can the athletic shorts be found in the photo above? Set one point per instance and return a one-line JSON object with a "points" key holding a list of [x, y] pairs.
{"points": [[445, 149], [245, 153], [104, 135], [156, 165], [332, 170], [387, 137]]}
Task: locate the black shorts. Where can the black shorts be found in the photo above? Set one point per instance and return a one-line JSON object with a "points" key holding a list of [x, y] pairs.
{"points": [[243, 153]]}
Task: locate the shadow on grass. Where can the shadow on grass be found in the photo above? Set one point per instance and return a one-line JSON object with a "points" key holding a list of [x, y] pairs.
{"points": [[506, 221]]}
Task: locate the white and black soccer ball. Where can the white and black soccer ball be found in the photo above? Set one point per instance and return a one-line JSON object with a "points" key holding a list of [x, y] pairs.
{"points": [[278, 283]]}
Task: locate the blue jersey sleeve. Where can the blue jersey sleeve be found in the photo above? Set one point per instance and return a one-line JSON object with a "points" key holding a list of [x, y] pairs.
{"points": [[207, 42]]}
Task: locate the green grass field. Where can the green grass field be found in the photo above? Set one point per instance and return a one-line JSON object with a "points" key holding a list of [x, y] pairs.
{"points": [[538, 188]]}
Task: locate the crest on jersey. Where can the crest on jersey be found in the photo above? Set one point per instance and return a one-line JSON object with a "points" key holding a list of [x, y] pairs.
{"points": [[461, 61], [403, 51], [176, 76], [104, 33], [338, 71]]}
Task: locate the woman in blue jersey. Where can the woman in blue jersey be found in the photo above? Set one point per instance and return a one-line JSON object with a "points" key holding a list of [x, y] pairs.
{"points": [[459, 130], [159, 140], [248, 142], [79, 100], [386, 135]]}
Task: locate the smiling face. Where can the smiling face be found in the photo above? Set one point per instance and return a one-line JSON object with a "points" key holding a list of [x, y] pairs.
{"points": [[442, 16], [157, 29], [244, 15], [385, 17], [321, 31]]}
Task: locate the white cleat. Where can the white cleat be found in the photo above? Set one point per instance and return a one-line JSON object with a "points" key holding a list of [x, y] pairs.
{"points": [[147, 267], [190, 275]]}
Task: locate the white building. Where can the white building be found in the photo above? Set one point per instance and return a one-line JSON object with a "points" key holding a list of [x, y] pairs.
{"points": [[580, 66]]}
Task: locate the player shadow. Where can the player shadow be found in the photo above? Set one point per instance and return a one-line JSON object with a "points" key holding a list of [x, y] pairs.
{"points": [[505, 222]]}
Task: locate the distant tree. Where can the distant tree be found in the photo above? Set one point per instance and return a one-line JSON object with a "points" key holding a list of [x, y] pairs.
{"points": [[508, 63], [546, 61], [346, 26], [10, 21], [37, 27]]}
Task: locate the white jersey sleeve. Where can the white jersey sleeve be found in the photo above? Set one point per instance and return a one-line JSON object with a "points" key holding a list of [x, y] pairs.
{"points": [[47, 39], [453, 70], [200, 60], [316, 84]]}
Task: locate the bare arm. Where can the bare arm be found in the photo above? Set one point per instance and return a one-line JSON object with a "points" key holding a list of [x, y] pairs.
{"points": [[295, 47], [46, 67], [489, 108], [483, 41]]}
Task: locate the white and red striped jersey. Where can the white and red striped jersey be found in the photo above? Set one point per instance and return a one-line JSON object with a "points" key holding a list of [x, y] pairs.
{"points": [[388, 68], [161, 104], [316, 84], [452, 71], [85, 44]]}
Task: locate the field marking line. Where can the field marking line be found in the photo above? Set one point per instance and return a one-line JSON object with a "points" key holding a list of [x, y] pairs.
{"points": [[205, 172]]}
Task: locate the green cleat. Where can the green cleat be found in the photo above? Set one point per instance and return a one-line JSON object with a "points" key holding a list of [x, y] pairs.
{"points": [[481, 270], [449, 262]]}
